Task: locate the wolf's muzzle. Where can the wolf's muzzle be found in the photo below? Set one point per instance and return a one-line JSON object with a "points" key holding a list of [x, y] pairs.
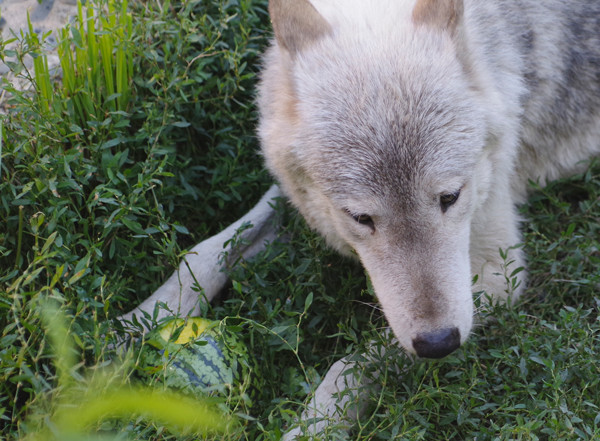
{"points": [[437, 344]]}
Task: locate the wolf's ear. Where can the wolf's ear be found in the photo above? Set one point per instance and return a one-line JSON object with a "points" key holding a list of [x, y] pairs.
{"points": [[296, 23], [442, 14]]}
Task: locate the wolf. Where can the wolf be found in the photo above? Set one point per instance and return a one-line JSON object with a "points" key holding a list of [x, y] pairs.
{"points": [[407, 132]]}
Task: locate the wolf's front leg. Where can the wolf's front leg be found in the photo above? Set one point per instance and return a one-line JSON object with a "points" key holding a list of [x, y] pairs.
{"points": [[203, 265], [346, 389], [496, 252], [336, 403]]}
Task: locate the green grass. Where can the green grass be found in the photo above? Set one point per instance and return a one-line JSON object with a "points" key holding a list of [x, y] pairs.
{"points": [[97, 207]]}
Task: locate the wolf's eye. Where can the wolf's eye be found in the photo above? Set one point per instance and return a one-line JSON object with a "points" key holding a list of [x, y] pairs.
{"points": [[363, 219], [446, 200]]}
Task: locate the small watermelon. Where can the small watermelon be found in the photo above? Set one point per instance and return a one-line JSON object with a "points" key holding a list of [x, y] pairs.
{"points": [[195, 355]]}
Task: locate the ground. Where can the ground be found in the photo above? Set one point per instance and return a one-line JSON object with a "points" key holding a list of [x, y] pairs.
{"points": [[49, 15]]}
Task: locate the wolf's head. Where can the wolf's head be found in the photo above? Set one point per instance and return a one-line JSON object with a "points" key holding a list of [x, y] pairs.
{"points": [[370, 124]]}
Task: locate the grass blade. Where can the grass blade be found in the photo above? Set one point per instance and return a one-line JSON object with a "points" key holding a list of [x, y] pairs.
{"points": [[62, 344], [179, 413]]}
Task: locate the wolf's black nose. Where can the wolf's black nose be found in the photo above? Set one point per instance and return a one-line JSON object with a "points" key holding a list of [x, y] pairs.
{"points": [[437, 344]]}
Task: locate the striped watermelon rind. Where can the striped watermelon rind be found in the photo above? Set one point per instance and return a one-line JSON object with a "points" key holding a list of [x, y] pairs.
{"points": [[196, 356]]}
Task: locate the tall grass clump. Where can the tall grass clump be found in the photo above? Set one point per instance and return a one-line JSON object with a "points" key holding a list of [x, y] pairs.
{"points": [[97, 62]]}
